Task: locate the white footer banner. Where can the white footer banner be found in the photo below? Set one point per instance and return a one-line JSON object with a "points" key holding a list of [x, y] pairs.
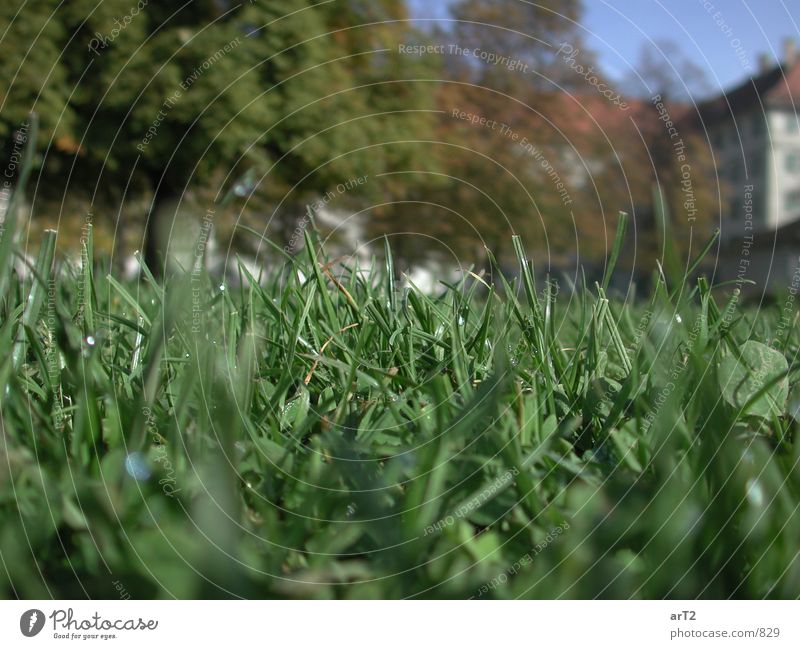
{"points": [[388, 624]]}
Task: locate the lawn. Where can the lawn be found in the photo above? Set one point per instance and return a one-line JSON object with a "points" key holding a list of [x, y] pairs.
{"points": [[331, 431]]}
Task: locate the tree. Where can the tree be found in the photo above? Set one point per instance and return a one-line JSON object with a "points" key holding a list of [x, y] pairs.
{"points": [[524, 31], [167, 94], [400, 92], [507, 156], [682, 159], [665, 69]]}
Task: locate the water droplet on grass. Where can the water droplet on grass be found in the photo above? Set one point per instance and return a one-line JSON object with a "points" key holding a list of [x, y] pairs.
{"points": [[755, 493], [136, 466], [246, 185], [88, 345]]}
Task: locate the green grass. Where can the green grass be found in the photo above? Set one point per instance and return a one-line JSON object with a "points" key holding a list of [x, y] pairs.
{"points": [[339, 435]]}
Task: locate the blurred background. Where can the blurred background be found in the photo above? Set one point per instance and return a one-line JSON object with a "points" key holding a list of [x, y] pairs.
{"points": [[447, 126]]}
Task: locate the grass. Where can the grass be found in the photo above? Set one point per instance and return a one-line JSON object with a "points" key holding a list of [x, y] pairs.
{"points": [[339, 434]]}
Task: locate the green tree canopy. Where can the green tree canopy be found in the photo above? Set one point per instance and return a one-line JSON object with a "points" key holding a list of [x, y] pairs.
{"points": [[167, 94]]}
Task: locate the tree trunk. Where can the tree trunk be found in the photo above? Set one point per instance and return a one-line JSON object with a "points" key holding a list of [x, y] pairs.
{"points": [[155, 246]]}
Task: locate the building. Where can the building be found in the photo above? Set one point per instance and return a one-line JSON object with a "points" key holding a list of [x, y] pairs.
{"points": [[754, 132], [753, 135]]}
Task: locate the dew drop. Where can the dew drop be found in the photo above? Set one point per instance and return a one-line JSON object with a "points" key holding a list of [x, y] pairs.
{"points": [[90, 341], [678, 318], [245, 186], [136, 466], [755, 493]]}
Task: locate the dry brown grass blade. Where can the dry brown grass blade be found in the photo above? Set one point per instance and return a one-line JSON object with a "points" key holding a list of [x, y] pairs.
{"points": [[322, 351]]}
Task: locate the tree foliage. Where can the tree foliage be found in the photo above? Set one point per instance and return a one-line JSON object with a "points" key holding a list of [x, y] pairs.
{"points": [[168, 95]]}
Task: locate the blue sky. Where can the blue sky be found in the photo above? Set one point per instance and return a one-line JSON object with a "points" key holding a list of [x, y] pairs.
{"points": [[724, 37]]}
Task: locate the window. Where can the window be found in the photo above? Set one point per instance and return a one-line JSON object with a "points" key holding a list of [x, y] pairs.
{"points": [[793, 201], [793, 161]]}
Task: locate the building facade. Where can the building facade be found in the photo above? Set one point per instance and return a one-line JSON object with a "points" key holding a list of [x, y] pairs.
{"points": [[754, 132]]}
